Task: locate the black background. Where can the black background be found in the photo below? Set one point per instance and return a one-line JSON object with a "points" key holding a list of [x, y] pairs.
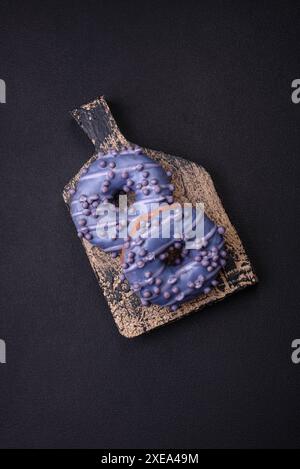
{"points": [[210, 81]]}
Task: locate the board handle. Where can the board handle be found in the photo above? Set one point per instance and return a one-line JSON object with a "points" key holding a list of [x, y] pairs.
{"points": [[97, 121]]}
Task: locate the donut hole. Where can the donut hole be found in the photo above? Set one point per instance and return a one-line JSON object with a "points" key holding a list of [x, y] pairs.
{"points": [[116, 198], [173, 255], [130, 199]]}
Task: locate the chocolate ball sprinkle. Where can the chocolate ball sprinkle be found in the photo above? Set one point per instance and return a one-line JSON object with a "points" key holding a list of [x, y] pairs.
{"points": [[147, 294]]}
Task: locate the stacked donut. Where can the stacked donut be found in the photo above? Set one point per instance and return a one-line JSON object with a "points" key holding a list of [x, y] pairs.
{"points": [[161, 270]]}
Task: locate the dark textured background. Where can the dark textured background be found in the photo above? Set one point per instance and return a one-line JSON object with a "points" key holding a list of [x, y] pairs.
{"points": [[210, 81]]}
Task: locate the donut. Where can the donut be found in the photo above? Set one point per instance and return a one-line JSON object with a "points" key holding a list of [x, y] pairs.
{"points": [[165, 273], [129, 170], [162, 270]]}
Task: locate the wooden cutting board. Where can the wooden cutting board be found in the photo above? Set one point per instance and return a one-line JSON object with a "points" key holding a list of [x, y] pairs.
{"points": [[192, 184]]}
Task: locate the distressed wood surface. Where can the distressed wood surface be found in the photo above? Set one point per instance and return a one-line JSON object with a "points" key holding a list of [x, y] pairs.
{"points": [[192, 184]]}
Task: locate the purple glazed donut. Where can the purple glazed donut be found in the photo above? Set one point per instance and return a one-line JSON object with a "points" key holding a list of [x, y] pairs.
{"points": [[164, 272], [109, 175]]}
